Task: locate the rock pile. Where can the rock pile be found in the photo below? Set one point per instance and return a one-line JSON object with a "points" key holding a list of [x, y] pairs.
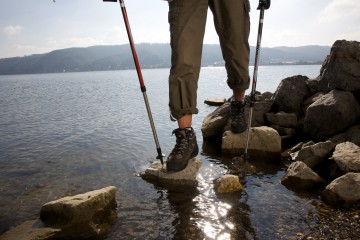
{"points": [[326, 112]]}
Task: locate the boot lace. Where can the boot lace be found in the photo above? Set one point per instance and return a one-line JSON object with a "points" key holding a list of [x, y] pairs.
{"points": [[181, 142], [237, 111]]}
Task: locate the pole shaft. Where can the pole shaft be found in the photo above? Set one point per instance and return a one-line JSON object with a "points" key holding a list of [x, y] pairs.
{"points": [[254, 81], [141, 80]]}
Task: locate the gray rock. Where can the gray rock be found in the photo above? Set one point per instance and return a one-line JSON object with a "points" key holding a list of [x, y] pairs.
{"points": [[309, 143], [266, 96], [353, 135], [301, 145], [82, 216], [259, 111], [283, 119], [264, 142], [214, 123], [31, 230], [283, 131], [227, 183], [347, 157], [300, 176], [320, 117], [341, 69], [314, 154], [215, 101], [157, 173], [344, 190], [310, 100], [297, 147], [290, 94]]}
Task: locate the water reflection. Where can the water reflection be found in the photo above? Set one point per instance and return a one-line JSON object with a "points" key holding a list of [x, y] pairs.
{"points": [[203, 214]]}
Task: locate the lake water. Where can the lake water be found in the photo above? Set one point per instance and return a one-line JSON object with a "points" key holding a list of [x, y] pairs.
{"points": [[69, 133]]}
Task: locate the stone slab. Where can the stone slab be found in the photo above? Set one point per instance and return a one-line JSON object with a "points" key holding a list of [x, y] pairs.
{"points": [[157, 172]]}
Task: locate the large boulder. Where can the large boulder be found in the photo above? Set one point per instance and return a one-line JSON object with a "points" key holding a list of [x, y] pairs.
{"points": [[290, 94], [347, 157], [82, 216], [259, 111], [331, 114], [31, 230], [263, 142], [313, 155], [300, 177], [344, 190], [353, 135], [282, 119], [341, 69], [214, 123]]}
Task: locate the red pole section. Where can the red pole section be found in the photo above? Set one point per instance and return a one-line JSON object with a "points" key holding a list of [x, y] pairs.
{"points": [[132, 45]]}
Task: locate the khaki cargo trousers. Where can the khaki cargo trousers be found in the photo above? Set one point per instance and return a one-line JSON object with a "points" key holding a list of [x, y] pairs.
{"points": [[187, 19]]}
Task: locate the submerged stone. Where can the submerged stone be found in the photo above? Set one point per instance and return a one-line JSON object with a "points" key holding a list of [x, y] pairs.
{"points": [[228, 183]]}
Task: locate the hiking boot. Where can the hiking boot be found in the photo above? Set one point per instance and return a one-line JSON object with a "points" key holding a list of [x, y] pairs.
{"points": [[185, 148], [237, 114]]}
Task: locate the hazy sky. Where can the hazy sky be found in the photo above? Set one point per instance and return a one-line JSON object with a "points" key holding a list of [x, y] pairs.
{"points": [[39, 26]]}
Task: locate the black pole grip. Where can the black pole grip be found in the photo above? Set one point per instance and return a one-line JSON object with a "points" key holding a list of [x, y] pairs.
{"points": [[264, 4], [109, 0]]}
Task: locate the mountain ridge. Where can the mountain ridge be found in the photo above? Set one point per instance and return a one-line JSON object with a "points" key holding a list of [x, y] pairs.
{"points": [[151, 55]]}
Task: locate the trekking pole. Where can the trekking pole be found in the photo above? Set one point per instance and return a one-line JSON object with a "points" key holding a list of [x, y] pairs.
{"points": [[263, 4], [141, 80]]}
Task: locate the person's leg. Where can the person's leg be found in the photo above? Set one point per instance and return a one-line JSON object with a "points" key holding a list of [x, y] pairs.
{"points": [[187, 19], [185, 121], [232, 23], [238, 95]]}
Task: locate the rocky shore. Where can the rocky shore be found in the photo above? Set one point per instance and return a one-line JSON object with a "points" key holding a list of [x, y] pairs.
{"points": [[314, 124]]}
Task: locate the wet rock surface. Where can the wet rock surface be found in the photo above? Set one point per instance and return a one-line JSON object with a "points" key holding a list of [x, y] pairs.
{"points": [[158, 174], [227, 183], [84, 216]]}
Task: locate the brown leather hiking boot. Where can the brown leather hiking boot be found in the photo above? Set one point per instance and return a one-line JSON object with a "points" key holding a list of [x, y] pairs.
{"points": [[185, 148], [238, 120]]}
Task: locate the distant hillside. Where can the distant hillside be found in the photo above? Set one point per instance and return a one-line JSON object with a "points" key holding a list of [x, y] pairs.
{"points": [[99, 58]]}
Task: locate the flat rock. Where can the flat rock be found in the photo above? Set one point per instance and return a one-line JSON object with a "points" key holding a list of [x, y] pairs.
{"points": [[158, 173], [215, 101], [30, 230], [264, 142], [84, 215]]}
